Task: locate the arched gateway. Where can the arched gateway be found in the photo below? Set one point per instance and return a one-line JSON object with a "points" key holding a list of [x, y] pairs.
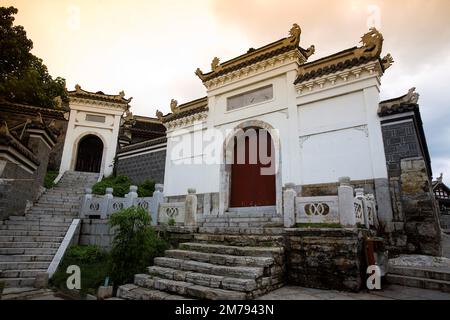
{"points": [[89, 154]]}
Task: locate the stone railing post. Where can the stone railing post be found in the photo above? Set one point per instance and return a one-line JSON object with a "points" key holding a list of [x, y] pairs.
{"points": [[131, 196], [359, 193], [346, 207], [289, 195], [86, 198], [190, 215], [158, 198], [107, 199]]}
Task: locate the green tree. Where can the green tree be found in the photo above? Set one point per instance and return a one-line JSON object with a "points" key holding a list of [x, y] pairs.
{"points": [[24, 78], [135, 244]]}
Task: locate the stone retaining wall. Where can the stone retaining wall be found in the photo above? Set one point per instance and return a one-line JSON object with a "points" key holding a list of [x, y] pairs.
{"points": [[326, 258]]}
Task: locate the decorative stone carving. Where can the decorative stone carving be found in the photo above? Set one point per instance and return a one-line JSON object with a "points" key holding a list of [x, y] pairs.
{"points": [[412, 96], [173, 105], [215, 64], [159, 115], [310, 51], [372, 44], [199, 74], [78, 88], [294, 34], [387, 61]]}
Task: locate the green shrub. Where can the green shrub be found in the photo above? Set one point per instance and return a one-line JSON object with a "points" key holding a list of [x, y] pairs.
{"points": [[146, 189], [94, 265], [135, 244], [120, 184], [50, 176]]}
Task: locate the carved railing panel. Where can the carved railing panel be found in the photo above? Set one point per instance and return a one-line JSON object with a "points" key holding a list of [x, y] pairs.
{"points": [[317, 209], [174, 211]]}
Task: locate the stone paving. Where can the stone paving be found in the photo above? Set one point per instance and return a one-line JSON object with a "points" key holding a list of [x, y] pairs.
{"points": [[389, 292]]}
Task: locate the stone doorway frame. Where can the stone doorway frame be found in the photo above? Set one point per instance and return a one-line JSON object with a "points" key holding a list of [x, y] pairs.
{"points": [[225, 169], [76, 144]]}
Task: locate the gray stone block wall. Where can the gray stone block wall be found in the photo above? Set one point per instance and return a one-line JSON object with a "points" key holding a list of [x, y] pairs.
{"points": [[400, 141], [96, 232], [326, 258], [150, 166], [17, 187]]}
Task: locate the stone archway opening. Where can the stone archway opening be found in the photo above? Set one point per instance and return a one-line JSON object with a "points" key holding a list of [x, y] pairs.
{"points": [[89, 154]]}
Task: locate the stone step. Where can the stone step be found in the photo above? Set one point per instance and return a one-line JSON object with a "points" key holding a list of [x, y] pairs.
{"points": [[208, 268], [32, 233], [241, 225], [133, 292], [18, 282], [30, 239], [23, 265], [28, 251], [241, 231], [207, 280], [418, 282], [188, 289], [233, 250], [5, 245], [222, 219], [37, 223], [25, 273], [240, 240], [25, 293], [220, 259], [33, 227], [67, 217], [422, 272], [26, 258], [31, 217]]}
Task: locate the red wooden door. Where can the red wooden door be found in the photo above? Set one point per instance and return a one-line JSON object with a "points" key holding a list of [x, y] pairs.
{"points": [[249, 186]]}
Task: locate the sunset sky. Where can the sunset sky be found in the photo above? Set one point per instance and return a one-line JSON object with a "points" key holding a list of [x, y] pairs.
{"points": [[150, 49]]}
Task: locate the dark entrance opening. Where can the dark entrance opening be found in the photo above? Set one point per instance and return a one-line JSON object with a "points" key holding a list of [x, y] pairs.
{"points": [[253, 175], [89, 155]]}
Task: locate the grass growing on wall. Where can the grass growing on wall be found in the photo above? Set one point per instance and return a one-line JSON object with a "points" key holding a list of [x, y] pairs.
{"points": [[121, 186], [50, 176]]}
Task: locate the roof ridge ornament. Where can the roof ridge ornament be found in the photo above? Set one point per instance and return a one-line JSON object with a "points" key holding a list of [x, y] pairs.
{"points": [[387, 61], [372, 44], [78, 88], [159, 115], [173, 105], [215, 64], [294, 34], [412, 96], [441, 178]]}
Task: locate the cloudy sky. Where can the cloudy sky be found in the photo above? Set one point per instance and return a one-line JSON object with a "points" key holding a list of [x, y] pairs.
{"points": [[151, 49]]}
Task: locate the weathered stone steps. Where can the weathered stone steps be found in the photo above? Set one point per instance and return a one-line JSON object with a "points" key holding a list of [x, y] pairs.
{"points": [[187, 289], [31, 227], [241, 230], [233, 250], [25, 273], [28, 251], [423, 283], [32, 233], [14, 238], [23, 265], [220, 259], [134, 292], [208, 268], [18, 282], [25, 258], [6, 245], [32, 217], [240, 240], [422, 272]]}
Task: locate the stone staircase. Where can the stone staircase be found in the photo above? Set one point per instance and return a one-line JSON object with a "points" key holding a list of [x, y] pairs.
{"points": [[432, 278], [236, 256], [28, 243]]}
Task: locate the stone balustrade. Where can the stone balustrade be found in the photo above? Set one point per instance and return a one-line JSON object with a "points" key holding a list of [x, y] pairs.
{"points": [[161, 212], [346, 208]]}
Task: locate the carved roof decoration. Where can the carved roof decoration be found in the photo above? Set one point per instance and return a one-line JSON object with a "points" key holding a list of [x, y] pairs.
{"points": [[253, 56], [142, 144], [8, 139], [372, 45], [100, 97], [7, 106], [405, 103], [184, 110]]}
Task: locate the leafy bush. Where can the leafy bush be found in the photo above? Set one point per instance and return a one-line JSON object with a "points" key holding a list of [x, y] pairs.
{"points": [[94, 264], [50, 176], [146, 189], [121, 186], [135, 244]]}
